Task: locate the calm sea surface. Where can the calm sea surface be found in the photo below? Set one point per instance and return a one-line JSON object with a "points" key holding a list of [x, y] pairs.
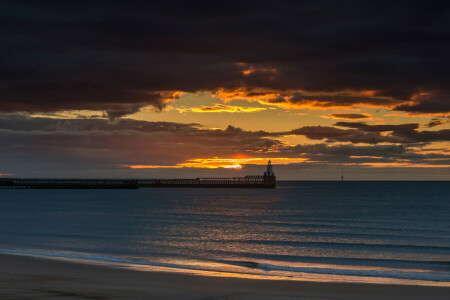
{"points": [[390, 232]]}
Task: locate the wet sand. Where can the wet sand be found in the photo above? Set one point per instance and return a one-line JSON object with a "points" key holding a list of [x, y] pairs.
{"points": [[25, 277]]}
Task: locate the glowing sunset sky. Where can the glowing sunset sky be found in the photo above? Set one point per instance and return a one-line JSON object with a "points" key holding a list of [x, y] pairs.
{"points": [[189, 89]]}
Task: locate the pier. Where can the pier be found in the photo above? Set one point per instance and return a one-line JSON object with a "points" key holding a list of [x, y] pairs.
{"points": [[268, 180], [67, 183]]}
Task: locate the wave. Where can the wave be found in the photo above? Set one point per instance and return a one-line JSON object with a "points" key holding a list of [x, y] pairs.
{"points": [[341, 234], [409, 275], [340, 245], [343, 261], [99, 258], [423, 276]]}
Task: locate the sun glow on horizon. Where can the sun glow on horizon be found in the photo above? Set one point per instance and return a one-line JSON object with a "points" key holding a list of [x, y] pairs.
{"points": [[226, 163]]}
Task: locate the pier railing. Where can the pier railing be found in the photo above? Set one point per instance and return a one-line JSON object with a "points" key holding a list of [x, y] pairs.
{"points": [[238, 181]]}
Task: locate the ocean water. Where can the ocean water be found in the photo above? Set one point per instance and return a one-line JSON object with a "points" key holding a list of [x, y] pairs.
{"points": [[379, 232]]}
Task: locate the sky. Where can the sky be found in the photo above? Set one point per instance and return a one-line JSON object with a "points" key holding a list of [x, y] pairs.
{"points": [[187, 89]]}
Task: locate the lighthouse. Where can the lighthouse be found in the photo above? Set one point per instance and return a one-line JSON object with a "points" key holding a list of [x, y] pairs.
{"points": [[269, 176]]}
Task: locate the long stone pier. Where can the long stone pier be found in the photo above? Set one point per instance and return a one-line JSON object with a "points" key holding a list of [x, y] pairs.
{"points": [[67, 183], [268, 180], [94, 183]]}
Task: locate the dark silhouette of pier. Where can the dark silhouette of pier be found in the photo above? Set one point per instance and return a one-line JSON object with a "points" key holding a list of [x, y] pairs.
{"points": [[94, 183], [268, 180], [67, 183]]}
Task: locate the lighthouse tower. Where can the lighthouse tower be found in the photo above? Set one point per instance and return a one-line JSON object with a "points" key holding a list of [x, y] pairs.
{"points": [[269, 176]]}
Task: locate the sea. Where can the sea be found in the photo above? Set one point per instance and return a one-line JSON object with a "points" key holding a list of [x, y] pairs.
{"points": [[353, 231]]}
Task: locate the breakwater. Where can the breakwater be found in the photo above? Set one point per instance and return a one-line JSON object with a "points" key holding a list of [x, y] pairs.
{"points": [[253, 181], [67, 183], [268, 180]]}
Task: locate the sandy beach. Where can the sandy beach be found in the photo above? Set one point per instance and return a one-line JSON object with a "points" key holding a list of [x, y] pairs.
{"points": [[24, 277]]}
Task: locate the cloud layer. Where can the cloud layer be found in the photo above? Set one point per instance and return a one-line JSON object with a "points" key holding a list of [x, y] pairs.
{"points": [[40, 145], [120, 56]]}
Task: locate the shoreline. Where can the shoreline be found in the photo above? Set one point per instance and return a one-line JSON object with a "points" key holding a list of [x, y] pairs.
{"points": [[33, 277]]}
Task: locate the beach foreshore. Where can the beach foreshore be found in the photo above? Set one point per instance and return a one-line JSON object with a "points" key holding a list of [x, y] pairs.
{"points": [[28, 277]]}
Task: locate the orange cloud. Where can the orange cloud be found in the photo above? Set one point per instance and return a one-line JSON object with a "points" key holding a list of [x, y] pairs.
{"points": [[260, 95], [431, 151], [221, 108], [238, 163], [227, 163], [295, 99]]}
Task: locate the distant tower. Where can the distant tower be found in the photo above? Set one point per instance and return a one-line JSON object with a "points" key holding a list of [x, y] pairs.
{"points": [[269, 176], [342, 175]]}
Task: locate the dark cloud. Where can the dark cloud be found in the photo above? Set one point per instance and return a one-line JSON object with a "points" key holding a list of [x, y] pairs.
{"points": [[320, 132], [438, 121], [349, 150], [350, 116], [365, 154], [116, 112], [404, 133], [117, 56], [125, 142], [360, 132], [333, 134], [378, 128], [433, 103]]}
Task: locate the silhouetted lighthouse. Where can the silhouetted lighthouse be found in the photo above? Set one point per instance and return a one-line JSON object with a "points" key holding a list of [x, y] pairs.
{"points": [[269, 176]]}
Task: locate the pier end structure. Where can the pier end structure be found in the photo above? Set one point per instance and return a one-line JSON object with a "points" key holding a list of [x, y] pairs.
{"points": [[270, 180]]}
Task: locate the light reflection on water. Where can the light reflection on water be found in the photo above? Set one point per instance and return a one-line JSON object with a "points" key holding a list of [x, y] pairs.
{"points": [[290, 232]]}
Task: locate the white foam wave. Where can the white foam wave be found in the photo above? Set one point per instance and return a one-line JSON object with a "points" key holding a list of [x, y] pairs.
{"points": [[423, 276], [419, 276], [95, 258]]}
